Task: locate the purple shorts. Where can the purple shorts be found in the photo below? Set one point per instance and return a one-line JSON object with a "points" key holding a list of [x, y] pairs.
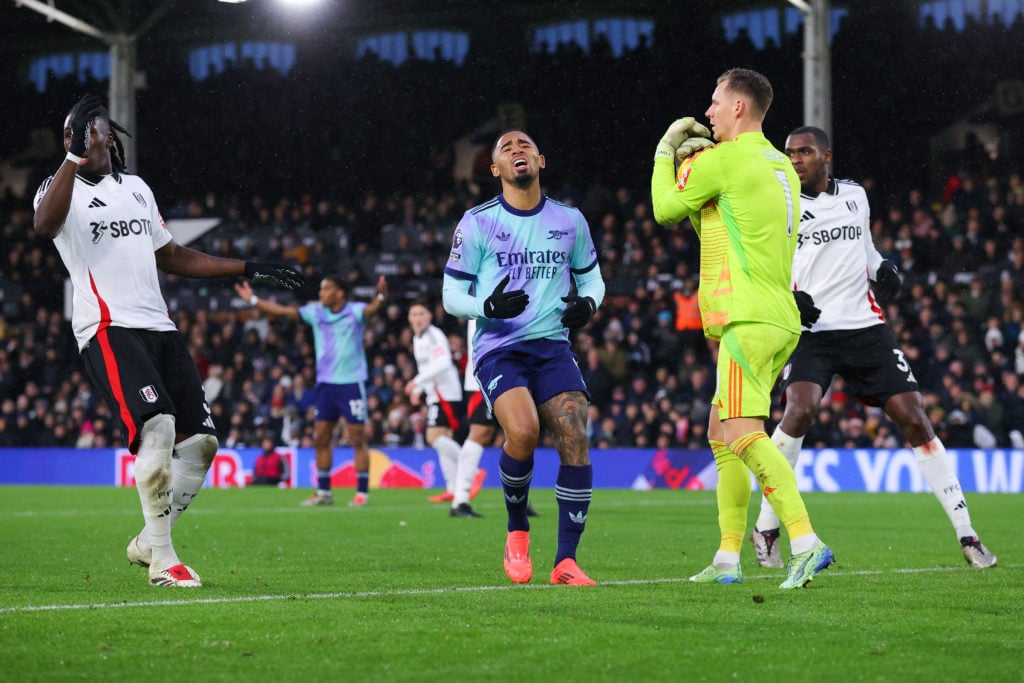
{"points": [[546, 367], [347, 401]]}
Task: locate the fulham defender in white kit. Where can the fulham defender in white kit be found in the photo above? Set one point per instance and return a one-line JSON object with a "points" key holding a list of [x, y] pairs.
{"points": [[109, 233], [835, 260], [437, 382]]}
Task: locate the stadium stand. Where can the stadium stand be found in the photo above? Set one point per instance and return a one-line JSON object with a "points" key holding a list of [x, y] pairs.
{"points": [[361, 184]]}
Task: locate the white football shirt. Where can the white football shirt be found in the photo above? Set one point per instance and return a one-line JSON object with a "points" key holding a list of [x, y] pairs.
{"points": [[436, 376], [835, 257], [107, 242]]}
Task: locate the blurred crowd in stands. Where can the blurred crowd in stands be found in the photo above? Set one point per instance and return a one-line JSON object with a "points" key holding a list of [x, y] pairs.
{"points": [[959, 318], [293, 184]]}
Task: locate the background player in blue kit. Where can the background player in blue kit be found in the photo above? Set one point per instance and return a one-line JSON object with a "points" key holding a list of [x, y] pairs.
{"points": [[341, 375], [529, 251]]}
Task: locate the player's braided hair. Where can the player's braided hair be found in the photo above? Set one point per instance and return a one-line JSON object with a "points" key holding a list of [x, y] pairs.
{"points": [[117, 158]]}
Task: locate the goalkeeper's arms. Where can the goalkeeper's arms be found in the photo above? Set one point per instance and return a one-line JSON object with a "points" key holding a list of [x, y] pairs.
{"points": [[665, 201], [669, 202], [672, 203]]}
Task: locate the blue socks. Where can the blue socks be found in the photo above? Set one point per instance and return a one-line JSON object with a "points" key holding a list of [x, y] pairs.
{"points": [[573, 490], [515, 482]]}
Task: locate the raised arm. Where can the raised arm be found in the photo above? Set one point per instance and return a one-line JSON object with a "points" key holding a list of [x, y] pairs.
{"points": [[52, 210], [270, 308], [54, 200], [375, 306]]}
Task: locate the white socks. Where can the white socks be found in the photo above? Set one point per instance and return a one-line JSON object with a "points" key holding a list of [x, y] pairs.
{"points": [[934, 464], [935, 467], [186, 471], [790, 447], [725, 559], [448, 453], [153, 481], [803, 543], [192, 458], [469, 463]]}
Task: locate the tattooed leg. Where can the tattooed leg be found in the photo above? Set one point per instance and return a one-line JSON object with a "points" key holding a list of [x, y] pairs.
{"points": [[564, 417]]}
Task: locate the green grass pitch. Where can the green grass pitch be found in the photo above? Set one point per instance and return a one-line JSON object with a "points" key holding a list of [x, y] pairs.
{"points": [[399, 591]]}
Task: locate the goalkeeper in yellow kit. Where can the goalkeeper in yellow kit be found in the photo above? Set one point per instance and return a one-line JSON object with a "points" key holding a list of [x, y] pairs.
{"points": [[742, 197]]}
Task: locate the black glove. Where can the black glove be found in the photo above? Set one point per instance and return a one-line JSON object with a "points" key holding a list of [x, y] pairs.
{"points": [[887, 280], [266, 273], [502, 304], [87, 109], [809, 313], [579, 311]]}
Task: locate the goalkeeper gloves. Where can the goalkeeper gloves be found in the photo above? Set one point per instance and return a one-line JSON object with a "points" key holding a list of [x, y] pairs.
{"points": [[579, 311], [87, 109], [691, 146], [887, 280], [809, 313], [502, 304], [266, 273], [678, 131]]}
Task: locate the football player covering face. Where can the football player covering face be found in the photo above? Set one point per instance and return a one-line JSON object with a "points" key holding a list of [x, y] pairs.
{"points": [[517, 162], [97, 152], [810, 162]]}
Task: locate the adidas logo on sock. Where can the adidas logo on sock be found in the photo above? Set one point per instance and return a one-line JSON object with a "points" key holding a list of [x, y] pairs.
{"points": [[96, 203]]}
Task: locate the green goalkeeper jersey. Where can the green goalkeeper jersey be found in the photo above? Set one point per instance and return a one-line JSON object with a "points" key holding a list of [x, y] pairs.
{"points": [[743, 198]]}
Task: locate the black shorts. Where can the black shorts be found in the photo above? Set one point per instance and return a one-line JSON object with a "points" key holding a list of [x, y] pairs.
{"points": [[869, 359], [141, 373], [479, 413], [445, 414]]}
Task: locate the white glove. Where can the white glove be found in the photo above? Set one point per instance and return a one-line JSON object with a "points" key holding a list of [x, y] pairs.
{"points": [[691, 146], [677, 132]]}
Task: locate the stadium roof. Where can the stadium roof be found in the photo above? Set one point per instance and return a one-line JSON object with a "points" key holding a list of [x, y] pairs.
{"points": [[190, 20]]}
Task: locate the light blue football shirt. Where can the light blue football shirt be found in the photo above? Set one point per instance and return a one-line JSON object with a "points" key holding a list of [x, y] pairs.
{"points": [[542, 250], [338, 340]]}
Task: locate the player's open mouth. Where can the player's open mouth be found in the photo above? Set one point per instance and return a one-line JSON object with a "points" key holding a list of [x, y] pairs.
{"points": [[520, 163]]}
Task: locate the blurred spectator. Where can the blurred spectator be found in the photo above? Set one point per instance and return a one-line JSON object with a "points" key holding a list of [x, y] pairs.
{"points": [[270, 468]]}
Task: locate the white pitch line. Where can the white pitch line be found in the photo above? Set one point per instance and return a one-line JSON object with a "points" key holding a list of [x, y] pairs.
{"points": [[434, 591], [297, 509]]}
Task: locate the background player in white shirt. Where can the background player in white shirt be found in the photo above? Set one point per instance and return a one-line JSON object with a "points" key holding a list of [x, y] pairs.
{"points": [[834, 261], [109, 233], [437, 380]]}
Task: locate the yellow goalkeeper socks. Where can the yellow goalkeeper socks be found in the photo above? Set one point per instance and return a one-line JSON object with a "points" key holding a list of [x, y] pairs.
{"points": [[777, 481], [733, 494]]}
